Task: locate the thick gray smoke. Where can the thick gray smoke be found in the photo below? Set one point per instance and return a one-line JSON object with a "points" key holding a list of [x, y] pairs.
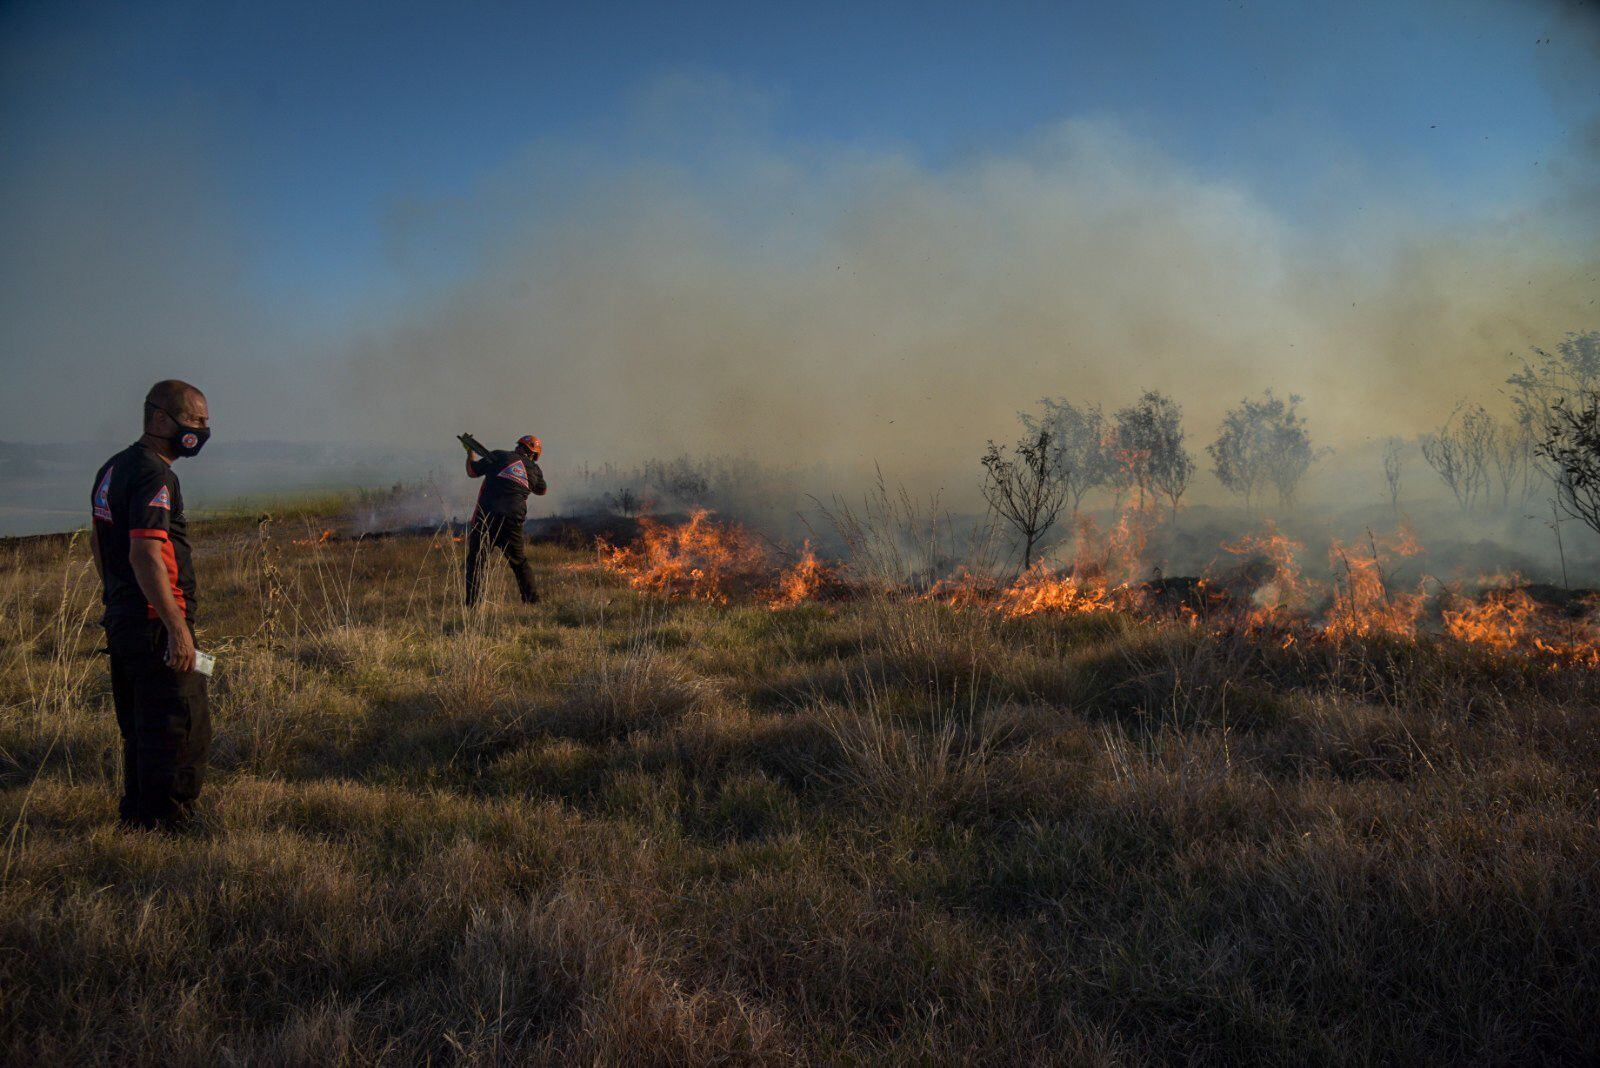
{"points": [[782, 302]]}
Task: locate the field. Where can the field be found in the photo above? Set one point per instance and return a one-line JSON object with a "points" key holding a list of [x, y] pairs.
{"points": [[623, 828]]}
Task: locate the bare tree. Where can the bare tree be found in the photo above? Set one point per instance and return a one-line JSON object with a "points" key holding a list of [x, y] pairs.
{"points": [[1262, 443], [1028, 492], [1393, 457], [1077, 442], [1566, 374], [1459, 451], [624, 502], [1148, 442], [1572, 444], [1511, 450]]}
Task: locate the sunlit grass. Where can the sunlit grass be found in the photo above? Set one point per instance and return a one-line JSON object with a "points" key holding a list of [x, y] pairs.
{"points": [[612, 828]]}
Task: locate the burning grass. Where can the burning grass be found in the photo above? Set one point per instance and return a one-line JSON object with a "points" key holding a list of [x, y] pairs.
{"points": [[702, 559], [1070, 817], [699, 559], [1264, 591]]}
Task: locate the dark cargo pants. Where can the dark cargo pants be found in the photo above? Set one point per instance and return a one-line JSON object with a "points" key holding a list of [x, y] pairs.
{"points": [[165, 720], [505, 534]]}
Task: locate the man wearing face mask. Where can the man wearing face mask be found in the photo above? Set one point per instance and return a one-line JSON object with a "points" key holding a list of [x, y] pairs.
{"points": [[141, 548]]}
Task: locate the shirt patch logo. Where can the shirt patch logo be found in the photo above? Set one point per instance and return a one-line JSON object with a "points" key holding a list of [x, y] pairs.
{"points": [[189, 441], [161, 500], [102, 498], [516, 472]]}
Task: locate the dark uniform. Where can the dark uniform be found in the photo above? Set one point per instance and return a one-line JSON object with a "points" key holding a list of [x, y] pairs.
{"points": [[163, 715], [508, 477]]}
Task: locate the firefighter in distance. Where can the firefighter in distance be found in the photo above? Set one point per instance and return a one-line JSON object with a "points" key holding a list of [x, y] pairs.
{"points": [[509, 476]]}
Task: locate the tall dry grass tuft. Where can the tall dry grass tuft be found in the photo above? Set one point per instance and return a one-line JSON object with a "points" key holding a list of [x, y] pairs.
{"points": [[51, 650], [559, 979], [894, 541], [635, 686], [268, 583], [930, 756], [54, 661]]}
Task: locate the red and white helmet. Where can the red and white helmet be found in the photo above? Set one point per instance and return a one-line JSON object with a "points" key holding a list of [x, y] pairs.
{"points": [[531, 445]]}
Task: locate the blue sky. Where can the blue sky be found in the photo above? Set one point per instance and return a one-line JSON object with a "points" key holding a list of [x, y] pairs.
{"points": [[273, 160], [317, 118]]}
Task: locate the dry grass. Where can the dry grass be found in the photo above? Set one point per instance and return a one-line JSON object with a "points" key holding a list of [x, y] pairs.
{"points": [[614, 830]]}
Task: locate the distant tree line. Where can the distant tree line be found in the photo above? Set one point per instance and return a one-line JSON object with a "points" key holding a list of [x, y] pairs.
{"points": [[1070, 449], [1549, 445], [1546, 448]]}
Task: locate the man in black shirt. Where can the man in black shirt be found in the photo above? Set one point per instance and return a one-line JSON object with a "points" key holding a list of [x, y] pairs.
{"points": [[141, 549], [509, 476]]}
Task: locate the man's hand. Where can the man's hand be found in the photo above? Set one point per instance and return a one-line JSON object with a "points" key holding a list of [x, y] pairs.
{"points": [[151, 571], [180, 649]]}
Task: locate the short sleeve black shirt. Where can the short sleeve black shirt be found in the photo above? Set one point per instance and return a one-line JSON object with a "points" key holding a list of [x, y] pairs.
{"points": [[136, 495]]}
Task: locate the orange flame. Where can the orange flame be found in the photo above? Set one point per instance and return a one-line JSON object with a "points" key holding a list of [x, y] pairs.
{"points": [[964, 589], [700, 559], [1363, 604], [1039, 589], [1283, 591], [1508, 620], [802, 582], [1500, 620], [1117, 556], [1100, 578]]}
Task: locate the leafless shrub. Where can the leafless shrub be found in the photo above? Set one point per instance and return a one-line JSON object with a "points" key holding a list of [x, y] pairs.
{"points": [[1460, 452], [1564, 375], [1393, 466], [1511, 451], [625, 501], [1027, 492]]}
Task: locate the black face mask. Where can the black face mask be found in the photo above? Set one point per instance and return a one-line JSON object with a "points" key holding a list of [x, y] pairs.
{"points": [[189, 440]]}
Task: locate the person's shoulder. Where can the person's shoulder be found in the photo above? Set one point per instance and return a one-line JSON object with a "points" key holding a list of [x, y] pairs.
{"points": [[125, 463], [125, 457], [144, 463]]}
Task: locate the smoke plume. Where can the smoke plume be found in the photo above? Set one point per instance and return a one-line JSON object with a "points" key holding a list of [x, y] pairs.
{"points": [[781, 301]]}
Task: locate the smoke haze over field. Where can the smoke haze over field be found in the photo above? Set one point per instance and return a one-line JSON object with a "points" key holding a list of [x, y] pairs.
{"points": [[784, 302], [691, 269]]}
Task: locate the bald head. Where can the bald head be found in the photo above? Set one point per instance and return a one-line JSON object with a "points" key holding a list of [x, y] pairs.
{"points": [[180, 401]]}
